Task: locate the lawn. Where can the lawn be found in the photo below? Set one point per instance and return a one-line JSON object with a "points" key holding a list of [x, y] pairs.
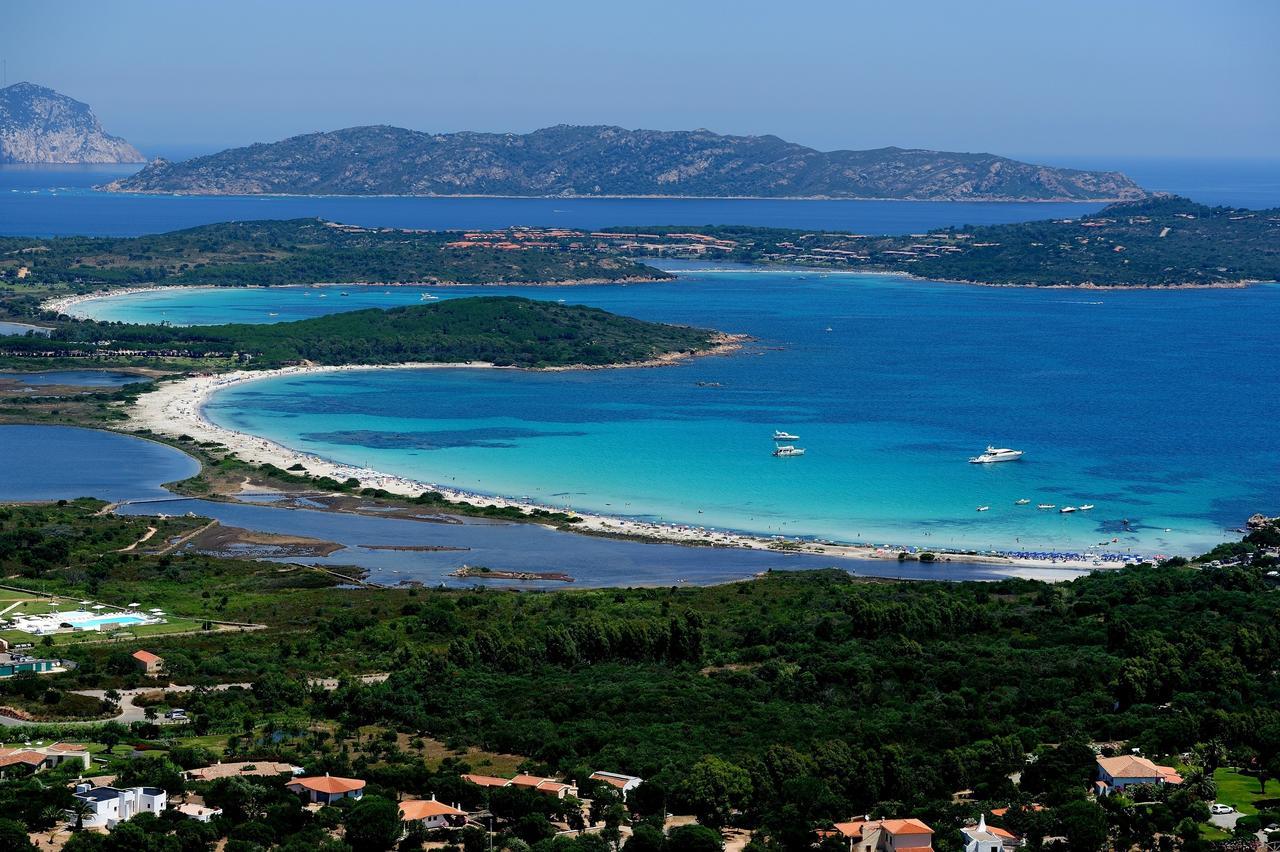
{"points": [[1241, 791]]}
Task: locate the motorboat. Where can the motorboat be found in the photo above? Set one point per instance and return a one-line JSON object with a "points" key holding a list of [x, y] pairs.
{"points": [[1046, 506], [1024, 501], [779, 435], [786, 451], [1084, 507], [1066, 510], [996, 454], [984, 508]]}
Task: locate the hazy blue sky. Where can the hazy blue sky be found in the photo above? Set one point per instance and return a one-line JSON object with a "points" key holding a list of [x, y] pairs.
{"points": [[1062, 79]]}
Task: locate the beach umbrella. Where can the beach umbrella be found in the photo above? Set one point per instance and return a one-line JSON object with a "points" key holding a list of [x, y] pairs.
{"points": [[135, 603], [99, 606]]}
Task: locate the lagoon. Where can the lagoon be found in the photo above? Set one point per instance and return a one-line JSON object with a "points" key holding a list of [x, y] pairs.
{"points": [[1109, 393]]}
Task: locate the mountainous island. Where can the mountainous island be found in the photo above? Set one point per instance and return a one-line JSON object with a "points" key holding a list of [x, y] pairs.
{"points": [[611, 161], [39, 125]]}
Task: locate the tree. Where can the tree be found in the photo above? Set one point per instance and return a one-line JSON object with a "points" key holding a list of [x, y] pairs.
{"points": [[694, 838], [645, 838], [373, 824], [13, 836], [715, 788], [1083, 824], [81, 810]]}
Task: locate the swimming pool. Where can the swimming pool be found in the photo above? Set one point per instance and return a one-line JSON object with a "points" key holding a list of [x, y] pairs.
{"points": [[119, 620]]}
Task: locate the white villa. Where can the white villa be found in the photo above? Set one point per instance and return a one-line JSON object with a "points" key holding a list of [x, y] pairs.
{"points": [[112, 807]]}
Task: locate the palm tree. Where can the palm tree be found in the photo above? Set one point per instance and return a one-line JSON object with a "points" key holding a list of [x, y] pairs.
{"points": [[80, 809], [1200, 784]]}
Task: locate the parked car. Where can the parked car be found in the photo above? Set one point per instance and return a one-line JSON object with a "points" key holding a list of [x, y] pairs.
{"points": [[1218, 808]]}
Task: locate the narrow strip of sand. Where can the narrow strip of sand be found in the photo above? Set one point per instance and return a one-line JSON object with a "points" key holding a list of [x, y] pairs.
{"points": [[175, 409]]}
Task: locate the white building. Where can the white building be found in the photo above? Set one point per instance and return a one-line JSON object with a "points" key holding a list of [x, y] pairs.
{"points": [[624, 784], [432, 814], [984, 838], [199, 813], [112, 806]]}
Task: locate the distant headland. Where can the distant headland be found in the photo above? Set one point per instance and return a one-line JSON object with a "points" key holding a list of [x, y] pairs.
{"points": [[602, 161], [39, 125]]}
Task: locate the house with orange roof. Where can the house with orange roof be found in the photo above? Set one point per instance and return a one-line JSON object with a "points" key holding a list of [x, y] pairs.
{"points": [[622, 783], [1116, 773], [550, 786], [988, 838], [886, 835], [432, 814], [148, 663], [326, 789], [36, 758], [487, 780]]}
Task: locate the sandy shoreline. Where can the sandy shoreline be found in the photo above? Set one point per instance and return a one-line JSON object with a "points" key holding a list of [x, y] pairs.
{"points": [[176, 409]]}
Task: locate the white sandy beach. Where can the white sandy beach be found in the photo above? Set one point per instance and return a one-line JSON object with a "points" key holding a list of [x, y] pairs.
{"points": [[176, 409]]}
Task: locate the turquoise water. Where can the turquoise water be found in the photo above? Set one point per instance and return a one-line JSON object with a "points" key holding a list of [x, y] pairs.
{"points": [[1157, 407], [127, 620]]}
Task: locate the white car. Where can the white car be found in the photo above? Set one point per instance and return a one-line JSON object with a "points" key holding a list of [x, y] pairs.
{"points": [[1221, 809]]}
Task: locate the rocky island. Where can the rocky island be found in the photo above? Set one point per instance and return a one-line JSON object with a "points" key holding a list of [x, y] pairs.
{"points": [[612, 161], [39, 125]]}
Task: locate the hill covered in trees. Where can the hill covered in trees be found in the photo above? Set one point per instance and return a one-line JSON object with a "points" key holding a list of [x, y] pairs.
{"points": [[583, 161], [1158, 242], [507, 331]]}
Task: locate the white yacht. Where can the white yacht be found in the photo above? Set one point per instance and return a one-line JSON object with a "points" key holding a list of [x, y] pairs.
{"points": [[1046, 506], [984, 508], [1066, 510], [779, 435], [787, 450], [1084, 507], [1024, 501], [996, 454]]}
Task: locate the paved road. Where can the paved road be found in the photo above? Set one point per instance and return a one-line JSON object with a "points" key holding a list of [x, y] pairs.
{"points": [[131, 712]]}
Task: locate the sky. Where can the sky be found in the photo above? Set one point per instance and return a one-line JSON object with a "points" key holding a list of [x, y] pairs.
{"points": [[1056, 81]]}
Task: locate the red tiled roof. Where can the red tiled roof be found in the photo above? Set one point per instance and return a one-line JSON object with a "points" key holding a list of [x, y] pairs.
{"points": [[145, 657], [486, 780], [423, 808], [329, 784], [905, 826]]}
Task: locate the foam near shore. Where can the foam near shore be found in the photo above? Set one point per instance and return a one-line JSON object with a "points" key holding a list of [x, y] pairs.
{"points": [[175, 409]]}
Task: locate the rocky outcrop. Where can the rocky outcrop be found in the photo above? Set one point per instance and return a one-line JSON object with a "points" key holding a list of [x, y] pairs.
{"points": [[612, 161], [39, 125]]}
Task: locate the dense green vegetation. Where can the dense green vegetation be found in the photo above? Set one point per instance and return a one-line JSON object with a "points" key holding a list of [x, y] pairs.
{"points": [[1165, 241], [298, 251], [780, 704], [508, 331]]}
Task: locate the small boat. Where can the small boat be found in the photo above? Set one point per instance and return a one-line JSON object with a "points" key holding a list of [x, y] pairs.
{"points": [[273, 314], [1066, 510], [779, 435], [1024, 501], [1084, 507], [984, 508], [1046, 506], [427, 297], [787, 451], [996, 454], [344, 293]]}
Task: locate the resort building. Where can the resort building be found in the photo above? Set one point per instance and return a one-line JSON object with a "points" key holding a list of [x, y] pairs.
{"points": [[36, 758], [12, 664], [886, 835], [622, 783], [148, 663], [985, 838], [432, 814], [1116, 773], [247, 768], [326, 789], [550, 786], [80, 620], [111, 806]]}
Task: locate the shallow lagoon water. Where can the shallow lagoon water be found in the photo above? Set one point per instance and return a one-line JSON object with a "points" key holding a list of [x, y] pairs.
{"points": [[1110, 393], [73, 378], [57, 462]]}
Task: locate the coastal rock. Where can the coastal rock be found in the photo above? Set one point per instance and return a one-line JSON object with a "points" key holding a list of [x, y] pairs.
{"points": [[576, 161], [39, 125], [1260, 521]]}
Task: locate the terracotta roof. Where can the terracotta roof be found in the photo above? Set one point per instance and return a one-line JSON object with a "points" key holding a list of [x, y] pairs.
{"points": [[145, 657], [486, 780], [614, 782], [851, 829], [423, 808], [225, 770], [31, 758], [1000, 832], [523, 780], [1129, 766], [329, 784], [1169, 774], [905, 826], [66, 747]]}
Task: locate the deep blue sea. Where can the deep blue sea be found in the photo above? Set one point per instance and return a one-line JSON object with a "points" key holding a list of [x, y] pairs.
{"points": [[49, 200], [1156, 407]]}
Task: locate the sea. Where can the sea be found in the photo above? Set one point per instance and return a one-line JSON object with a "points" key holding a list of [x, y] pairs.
{"points": [[1156, 408]]}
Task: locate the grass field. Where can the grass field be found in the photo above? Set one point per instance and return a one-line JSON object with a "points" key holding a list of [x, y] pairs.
{"points": [[1241, 791]]}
